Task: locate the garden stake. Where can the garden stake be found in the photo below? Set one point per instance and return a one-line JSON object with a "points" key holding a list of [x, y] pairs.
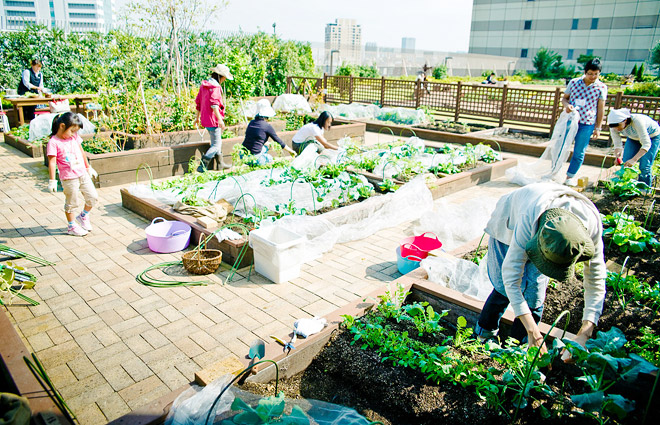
{"points": [[476, 253], [42, 377], [385, 167], [237, 377], [244, 206], [15, 253], [649, 213], [314, 193], [536, 355], [322, 156], [409, 129], [147, 280], [602, 165], [384, 128]]}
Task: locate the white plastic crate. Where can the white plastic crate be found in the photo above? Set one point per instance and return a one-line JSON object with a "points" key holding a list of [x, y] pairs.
{"points": [[274, 256]]}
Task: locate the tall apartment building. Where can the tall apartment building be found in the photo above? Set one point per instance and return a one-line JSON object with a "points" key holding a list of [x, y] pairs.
{"points": [[71, 15], [620, 32], [344, 36], [408, 44]]}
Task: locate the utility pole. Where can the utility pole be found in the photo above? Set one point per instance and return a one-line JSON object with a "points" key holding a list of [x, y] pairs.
{"points": [[274, 25]]}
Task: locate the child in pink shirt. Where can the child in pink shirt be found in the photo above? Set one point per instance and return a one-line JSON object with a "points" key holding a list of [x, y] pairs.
{"points": [[65, 151]]}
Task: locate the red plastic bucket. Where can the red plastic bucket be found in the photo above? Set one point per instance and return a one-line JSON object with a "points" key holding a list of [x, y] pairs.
{"points": [[419, 246]]}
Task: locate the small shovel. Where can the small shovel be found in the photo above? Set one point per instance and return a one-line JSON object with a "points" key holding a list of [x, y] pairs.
{"points": [[257, 351]]}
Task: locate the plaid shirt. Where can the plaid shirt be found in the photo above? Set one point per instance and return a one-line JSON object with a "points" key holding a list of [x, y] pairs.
{"points": [[585, 98]]}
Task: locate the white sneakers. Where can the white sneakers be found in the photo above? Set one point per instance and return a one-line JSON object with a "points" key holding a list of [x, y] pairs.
{"points": [[571, 181], [76, 230], [84, 222], [81, 227]]}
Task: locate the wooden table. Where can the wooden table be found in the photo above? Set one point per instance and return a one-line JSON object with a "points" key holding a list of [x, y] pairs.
{"points": [[19, 102]]}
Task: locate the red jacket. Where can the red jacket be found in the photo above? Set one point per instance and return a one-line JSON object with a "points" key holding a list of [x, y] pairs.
{"points": [[210, 93]]}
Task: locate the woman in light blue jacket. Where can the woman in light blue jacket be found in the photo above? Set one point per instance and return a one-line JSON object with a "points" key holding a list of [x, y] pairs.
{"points": [[643, 134]]}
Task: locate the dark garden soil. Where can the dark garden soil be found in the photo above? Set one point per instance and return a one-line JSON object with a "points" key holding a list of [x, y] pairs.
{"points": [[455, 127], [345, 374]]}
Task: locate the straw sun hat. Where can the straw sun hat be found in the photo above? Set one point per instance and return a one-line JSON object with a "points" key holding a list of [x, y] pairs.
{"points": [[222, 70]]}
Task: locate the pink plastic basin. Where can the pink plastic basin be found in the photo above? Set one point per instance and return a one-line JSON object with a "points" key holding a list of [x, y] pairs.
{"points": [[419, 246], [167, 236]]}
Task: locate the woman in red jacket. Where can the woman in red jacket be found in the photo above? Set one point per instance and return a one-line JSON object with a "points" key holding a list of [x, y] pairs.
{"points": [[211, 112]]}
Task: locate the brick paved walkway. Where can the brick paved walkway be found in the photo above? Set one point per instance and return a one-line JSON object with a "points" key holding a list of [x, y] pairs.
{"points": [[111, 345]]}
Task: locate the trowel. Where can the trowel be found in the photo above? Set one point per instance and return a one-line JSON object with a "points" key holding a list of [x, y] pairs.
{"points": [[257, 352]]}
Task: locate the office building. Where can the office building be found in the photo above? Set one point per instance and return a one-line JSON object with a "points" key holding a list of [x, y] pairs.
{"points": [[70, 15], [620, 32], [344, 38], [408, 44]]}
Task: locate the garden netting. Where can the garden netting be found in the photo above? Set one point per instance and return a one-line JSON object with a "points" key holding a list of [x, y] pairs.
{"points": [[461, 275], [357, 221], [356, 111], [548, 166], [41, 126], [291, 103], [194, 404]]}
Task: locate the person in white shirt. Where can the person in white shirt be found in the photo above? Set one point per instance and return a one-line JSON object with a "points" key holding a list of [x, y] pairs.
{"points": [[538, 231], [643, 142], [313, 133]]}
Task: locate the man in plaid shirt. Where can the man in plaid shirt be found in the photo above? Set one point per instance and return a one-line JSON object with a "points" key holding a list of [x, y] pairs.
{"points": [[587, 95]]}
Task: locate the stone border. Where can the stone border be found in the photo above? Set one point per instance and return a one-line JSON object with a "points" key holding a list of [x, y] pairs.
{"points": [[590, 158]]}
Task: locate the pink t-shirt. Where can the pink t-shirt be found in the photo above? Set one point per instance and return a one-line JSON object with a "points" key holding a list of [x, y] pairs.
{"points": [[70, 162]]}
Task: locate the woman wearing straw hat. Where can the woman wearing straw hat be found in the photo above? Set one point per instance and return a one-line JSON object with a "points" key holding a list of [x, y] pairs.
{"points": [[538, 231], [259, 130], [211, 112], [643, 142]]}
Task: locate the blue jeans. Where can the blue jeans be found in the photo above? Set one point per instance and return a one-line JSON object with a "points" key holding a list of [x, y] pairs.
{"points": [[582, 138], [262, 158], [646, 162], [215, 149], [533, 287]]}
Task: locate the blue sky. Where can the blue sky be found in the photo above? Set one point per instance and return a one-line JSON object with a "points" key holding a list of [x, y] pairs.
{"points": [[442, 25]]}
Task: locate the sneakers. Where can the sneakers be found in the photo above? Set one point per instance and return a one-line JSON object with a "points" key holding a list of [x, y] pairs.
{"points": [[571, 181], [76, 230], [84, 222]]}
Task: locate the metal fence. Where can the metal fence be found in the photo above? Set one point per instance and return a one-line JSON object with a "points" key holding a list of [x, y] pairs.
{"points": [[536, 108]]}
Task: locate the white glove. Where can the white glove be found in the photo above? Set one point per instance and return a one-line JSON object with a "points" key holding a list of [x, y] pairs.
{"points": [[92, 172], [52, 186], [307, 327]]}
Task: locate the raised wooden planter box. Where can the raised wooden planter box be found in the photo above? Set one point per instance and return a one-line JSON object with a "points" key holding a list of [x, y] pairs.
{"points": [[475, 138], [23, 145], [120, 167], [450, 183], [439, 297], [151, 208], [15, 377]]}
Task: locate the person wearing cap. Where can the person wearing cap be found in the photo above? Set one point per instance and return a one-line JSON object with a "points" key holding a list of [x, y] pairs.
{"points": [[539, 231], [211, 112], [312, 133], [259, 130], [643, 134], [587, 95]]}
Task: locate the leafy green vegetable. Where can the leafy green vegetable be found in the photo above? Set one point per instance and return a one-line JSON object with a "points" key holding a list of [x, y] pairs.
{"points": [[269, 410], [626, 185], [628, 234]]}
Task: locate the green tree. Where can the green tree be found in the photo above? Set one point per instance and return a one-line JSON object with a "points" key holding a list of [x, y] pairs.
{"points": [[346, 69], [634, 71], [640, 73], [440, 72], [546, 62], [368, 71], [583, 59], [655, 57]]}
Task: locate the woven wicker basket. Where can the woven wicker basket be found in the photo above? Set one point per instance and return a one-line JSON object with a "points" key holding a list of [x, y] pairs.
{"points": [[201, 260]]}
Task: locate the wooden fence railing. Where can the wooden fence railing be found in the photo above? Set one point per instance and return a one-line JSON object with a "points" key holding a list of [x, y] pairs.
{"points": [[539, 108]]}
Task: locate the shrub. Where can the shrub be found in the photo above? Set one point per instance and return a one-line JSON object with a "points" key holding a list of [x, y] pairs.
{"points": [[644, 89], [440, 72]]}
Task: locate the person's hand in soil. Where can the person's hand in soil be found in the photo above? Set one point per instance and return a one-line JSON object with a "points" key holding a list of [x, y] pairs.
{"points": [[583, 335]]}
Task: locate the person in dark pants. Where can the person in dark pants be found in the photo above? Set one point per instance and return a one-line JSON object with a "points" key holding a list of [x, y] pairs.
{"points": [[538, 231], [259, 131], [32, 81]]}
